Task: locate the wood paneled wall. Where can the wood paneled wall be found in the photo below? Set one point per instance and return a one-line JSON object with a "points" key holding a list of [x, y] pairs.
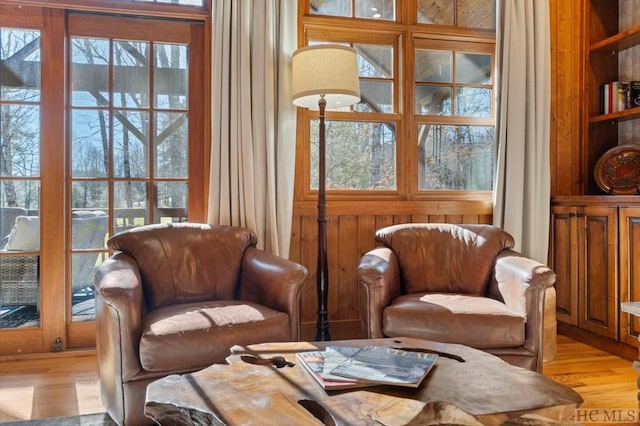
{"points": [[629, 131], [351, 231], [567, 87]]}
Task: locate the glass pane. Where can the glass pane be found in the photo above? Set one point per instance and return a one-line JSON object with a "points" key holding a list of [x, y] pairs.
{"points": [[477, 13], [473, 102], [172, 148], [374, 60], [130, 144], [171, 76], [129, 211], [455, 157], [376, 96], [359, 155], [19, 199], [473, 68], [19, 65], [83, 266], [376, 9], [131, 74], [90, 195], [433, 100], [171, 202], [330, 7], [19, 140], [89, 72], [185, 2], [130, 203], [433, 66], [88, 229], [19, 232], [19, 291], [89, 143], [439, 12]]}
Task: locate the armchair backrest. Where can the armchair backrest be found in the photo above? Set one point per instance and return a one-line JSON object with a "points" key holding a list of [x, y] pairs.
{"points": [[184, 262], [445, 258]]}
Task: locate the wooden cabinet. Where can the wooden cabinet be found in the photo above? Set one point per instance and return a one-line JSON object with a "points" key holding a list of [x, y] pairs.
{"points": [[629, 274], [595, 237], [584, 257]]}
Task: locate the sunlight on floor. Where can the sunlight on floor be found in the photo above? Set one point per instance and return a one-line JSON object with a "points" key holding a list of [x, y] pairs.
{"points": [[13, 403], [88, 397]]}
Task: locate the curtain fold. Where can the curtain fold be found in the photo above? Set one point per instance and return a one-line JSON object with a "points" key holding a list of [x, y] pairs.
{"points": [[253, 119], [522, 189]]}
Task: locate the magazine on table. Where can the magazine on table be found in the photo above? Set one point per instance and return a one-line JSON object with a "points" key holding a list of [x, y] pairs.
{"points": [[388, 366], [342, 367], [313, 362]]}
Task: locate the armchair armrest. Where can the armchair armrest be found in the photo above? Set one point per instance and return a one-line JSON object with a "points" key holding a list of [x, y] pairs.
{"points": [[119, 308], [275, 282], [379, 280], [521, 283]]}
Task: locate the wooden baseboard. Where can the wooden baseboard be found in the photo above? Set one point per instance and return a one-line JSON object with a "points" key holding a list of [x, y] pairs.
{"points": [[617, 348]]}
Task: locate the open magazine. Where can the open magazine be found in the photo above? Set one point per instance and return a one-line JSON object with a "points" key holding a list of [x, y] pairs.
{"points": [[349, 367]]}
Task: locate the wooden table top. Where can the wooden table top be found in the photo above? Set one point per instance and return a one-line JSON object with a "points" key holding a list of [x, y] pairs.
{"points": [[486, 389]]}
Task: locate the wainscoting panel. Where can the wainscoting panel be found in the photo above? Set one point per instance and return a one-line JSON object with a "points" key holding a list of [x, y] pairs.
{"points": [[351, 231]]}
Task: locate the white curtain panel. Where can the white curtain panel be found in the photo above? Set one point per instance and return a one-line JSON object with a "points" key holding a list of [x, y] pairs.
{"points": [[522, 189], [253, 119]]}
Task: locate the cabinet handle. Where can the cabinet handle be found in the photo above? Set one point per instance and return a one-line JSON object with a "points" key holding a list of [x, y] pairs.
{"points": [[579, 214]]}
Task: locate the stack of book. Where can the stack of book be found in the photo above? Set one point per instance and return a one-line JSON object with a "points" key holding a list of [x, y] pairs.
{"points": [[342, 367], [618, 96]]}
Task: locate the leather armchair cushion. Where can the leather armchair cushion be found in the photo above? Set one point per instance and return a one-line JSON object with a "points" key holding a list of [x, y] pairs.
{"points": [[197, 263], [192, 336], [470, 320], [445, 258]]}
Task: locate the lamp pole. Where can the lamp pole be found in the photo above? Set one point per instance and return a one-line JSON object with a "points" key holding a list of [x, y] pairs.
{"points": [[324, 76], [322, 273]]}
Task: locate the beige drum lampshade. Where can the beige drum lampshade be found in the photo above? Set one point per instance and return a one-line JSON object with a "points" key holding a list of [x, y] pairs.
{"points": [[325, 70]]}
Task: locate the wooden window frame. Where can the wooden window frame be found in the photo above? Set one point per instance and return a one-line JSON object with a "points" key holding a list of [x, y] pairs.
{"points": [[405, 33]]}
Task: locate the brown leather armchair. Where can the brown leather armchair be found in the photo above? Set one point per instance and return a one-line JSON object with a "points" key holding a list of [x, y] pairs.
{"points": [[456, 284], [175, 297]]}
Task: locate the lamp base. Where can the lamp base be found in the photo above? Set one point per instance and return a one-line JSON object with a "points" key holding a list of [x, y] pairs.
{"points": [[322, 328]]}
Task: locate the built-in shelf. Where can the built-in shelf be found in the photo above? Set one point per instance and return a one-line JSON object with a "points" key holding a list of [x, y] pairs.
{"points": [[627, 114], [620, 41]]}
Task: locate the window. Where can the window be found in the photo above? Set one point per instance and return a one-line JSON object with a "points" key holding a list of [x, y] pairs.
{"points": [[20, 174], [101, 130], [366, 9], [426, 123], [454, 114], [361, 150]]}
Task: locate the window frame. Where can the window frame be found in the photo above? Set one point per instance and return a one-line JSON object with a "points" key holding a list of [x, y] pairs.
{"points": [[131, 7], [406, 33]]}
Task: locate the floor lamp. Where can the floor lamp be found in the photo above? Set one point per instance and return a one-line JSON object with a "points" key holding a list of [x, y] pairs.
{"points": [[324, 76]]}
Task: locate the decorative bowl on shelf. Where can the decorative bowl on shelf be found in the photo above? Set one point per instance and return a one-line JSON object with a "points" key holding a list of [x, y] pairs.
{"points": [[618, 170]]}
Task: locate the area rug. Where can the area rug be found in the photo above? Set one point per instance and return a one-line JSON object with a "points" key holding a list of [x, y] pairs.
{"points": [[100, 419]]}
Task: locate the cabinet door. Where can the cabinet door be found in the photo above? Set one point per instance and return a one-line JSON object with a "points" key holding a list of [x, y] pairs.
{"points": [[597, 247], [564, 262], [629, 278]]}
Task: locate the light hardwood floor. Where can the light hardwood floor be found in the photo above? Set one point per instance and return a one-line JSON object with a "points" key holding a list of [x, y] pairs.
{"points": [[68, 384]]}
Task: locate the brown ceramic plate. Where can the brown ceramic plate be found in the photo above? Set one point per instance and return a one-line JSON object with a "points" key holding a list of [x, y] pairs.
{"points": [[618, 170]]}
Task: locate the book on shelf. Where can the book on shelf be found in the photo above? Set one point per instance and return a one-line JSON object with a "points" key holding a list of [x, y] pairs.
{"points": [[617, 96], [342, 367], [633, 98]]}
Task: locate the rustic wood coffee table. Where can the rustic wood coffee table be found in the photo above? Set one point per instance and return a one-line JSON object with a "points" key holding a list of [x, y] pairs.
{"points": [[484, 387]]}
